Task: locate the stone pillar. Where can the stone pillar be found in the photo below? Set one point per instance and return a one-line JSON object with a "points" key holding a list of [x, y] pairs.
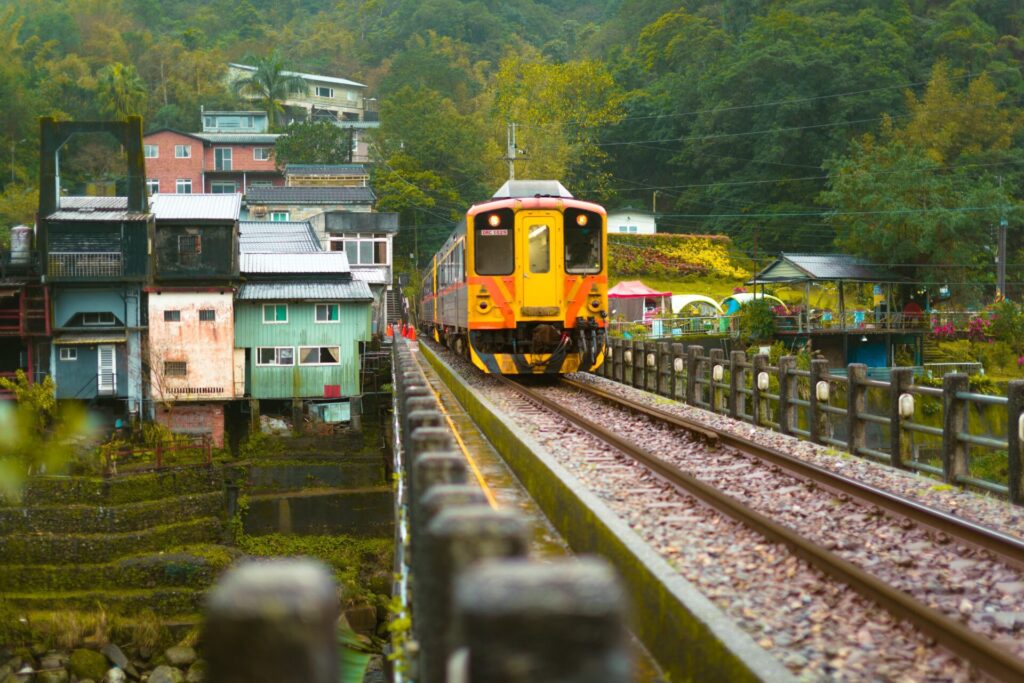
{"points": [[901, 381], [1015, 408], [758, 409], [273, 621], [298, 416], [694, 355], [954, 451], [555, 622], [817, 419], [715, 357], [678, 385], [737, 382], [356, 414], [456, 539], [856, 404], [786, 384]]}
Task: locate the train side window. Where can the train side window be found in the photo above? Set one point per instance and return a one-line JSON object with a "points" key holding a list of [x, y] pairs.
{"points": [[540, 251], [582, 241], [494, 242]]}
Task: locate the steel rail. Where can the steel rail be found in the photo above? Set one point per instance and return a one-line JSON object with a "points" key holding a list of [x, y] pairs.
{"points": [[975, 648], [1007, 548]]}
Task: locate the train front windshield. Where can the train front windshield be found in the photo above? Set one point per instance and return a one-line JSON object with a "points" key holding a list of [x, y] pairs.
{"points": [[582, 241]]}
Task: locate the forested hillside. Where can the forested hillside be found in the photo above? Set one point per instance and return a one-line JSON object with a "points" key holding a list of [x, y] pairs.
{"points": [[891, 129]]}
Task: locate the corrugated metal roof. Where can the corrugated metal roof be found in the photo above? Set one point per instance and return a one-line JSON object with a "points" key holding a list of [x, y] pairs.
{"points": [[294, 237], [174, 207], [95, 203], [532, 188], [312, 77], [93, 338], [325, 169], [373, 276], [310, 195], [104, 216], [793, 267], [305, 291], [239, 138], [95, 209], [324, 262]]}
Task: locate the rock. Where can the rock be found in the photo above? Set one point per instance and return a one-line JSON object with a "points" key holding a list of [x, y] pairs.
{"points": [[88, 664], [120, 660], [52, 676], [53, 660], [145, 653], [196, 672], [180, 655], [1010, 587], [38, 649], [166, 674], [362, 619], [115, 675]]}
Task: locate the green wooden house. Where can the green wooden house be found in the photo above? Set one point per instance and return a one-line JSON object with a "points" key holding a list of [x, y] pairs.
{"points": [[299, 321]]}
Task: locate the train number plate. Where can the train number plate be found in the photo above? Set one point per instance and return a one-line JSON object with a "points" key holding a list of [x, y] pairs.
{"points": [[494, 233]]}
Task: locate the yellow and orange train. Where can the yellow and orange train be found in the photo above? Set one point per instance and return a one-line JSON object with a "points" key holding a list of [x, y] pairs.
{"points": [[521, 286]]}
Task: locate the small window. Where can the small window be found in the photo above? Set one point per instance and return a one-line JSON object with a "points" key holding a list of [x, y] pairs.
{"points": [[151, 151], [223, 187], [183, 151], [172, 316], [98, 319], [175, 368], [68, 354], [190, 248], [540, 253], [183, 186], [319, 355], [327, 313], [260, 183], [275, 313], [279, 216], [152, 185], [323, 91], [222, 158], [261, 153], [207, 315], [275, 355]]}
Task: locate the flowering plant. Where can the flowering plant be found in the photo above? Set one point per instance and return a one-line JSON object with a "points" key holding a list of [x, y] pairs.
{"points": [[947, 331]]}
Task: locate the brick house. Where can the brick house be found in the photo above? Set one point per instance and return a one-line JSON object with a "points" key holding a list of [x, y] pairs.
{"points": [[214, 163]]}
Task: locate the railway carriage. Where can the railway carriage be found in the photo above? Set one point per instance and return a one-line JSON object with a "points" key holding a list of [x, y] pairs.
{"points": [[521, 286]]}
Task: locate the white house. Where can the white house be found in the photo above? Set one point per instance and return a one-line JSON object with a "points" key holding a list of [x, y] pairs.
{"points": [[632, 221]]}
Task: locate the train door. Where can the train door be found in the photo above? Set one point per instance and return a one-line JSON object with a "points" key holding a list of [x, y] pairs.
{"points": [[540, 240]]}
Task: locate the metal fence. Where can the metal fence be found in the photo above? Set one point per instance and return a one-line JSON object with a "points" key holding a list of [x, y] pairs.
{"points": [[85, 264], [834, 409]]}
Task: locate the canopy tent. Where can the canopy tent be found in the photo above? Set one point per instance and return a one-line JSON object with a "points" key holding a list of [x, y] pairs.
{"points": [[631, 298], [702, 305], [732, 303]]}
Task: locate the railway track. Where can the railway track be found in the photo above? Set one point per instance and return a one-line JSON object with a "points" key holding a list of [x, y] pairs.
{"points": [[983, 654]]}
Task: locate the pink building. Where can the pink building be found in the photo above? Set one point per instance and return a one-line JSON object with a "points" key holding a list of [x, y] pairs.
{"points": [[216, 163]]}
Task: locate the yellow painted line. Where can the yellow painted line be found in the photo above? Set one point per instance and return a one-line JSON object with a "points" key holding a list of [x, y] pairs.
{"points": [[491, 500]]}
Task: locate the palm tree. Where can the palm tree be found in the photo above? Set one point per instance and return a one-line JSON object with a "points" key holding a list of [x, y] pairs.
{"points": [[270, 84], [120, 90]]}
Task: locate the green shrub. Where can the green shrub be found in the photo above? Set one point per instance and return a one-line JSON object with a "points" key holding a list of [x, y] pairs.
{"points": [[756, 321]]}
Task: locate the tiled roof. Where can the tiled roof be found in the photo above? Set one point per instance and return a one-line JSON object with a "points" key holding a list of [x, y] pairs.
{"points": [[325, 169], [277, 263], [800, 267], [238, 138], [219, 207], [277, 236], [310, 195], [305, 291], [312, 77]]}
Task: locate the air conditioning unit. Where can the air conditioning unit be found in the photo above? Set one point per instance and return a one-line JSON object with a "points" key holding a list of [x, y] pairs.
{"points": [[259, 211]]}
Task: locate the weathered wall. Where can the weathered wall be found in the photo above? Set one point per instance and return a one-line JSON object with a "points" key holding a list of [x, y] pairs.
{"points": [[207, 347], [167, 169], [194, 418]]}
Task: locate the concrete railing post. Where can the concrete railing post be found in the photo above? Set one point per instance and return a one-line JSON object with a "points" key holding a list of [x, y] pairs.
{"points": [[856, 405], [514, 618], [617, 349], [954, 451], [787, 382], [678, 368], [665, 369], [273, 621], [694, 356], [456, 539], [651, 367], [737, 382], [1015, 409], [901, 381], [715, 396], [760, 365], [636, 378], [817, 419], [425, 440]]}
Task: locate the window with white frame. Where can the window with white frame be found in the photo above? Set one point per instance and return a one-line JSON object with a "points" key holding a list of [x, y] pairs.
{"points": [[327, 313], [222, 158], [152, 185], [275, 355], [363, 249], [223, 187], [98, 319], [151, 151], [279, 216], [183, 151], [261, 153], [183, 186], [324, 91], [275, 314], [67, 353], [319, 355]]}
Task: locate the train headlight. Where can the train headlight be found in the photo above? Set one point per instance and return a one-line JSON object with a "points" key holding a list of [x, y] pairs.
{"points": [[581, 219], [594, 304], [494, 220]]}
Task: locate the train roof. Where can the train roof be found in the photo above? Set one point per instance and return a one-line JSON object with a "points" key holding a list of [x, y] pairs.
{"points": [[517, 189]]}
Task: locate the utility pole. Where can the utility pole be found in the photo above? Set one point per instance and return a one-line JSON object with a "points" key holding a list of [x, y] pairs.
{"points": [[512, 151], [1001, 259]]}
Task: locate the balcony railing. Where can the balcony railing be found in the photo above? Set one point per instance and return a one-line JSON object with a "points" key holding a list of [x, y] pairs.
{"points": [[85, 264]]}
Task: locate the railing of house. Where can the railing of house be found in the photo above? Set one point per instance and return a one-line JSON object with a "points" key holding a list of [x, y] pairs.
{"points": [[85, 264], [182, 451], [833, 409]]}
